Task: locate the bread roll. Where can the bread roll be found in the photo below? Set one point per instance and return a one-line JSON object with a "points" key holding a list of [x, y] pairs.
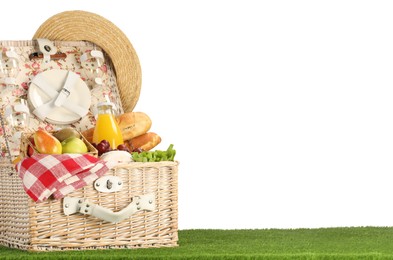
{"points": [[131, 124], [145, 142]]}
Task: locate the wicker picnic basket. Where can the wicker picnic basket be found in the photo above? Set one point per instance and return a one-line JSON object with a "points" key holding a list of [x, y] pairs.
{"points": [[50, 225], [27, 225]]}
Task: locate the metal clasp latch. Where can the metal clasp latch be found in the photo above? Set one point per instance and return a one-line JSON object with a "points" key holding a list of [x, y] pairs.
{"points": [[108, 183], [65, 91]]}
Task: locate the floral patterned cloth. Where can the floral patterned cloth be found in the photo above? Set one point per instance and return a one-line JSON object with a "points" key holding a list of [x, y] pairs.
{"points": [[27, 69]]}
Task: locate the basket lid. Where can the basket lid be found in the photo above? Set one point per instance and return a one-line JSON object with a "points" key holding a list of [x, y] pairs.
{"points": [[86, 26]]}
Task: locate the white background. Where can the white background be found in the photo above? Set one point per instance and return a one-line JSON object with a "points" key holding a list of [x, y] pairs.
{"points": [[281, 111]]}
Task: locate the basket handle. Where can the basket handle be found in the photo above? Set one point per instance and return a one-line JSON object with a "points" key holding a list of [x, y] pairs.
{"points": [[75, 205]]}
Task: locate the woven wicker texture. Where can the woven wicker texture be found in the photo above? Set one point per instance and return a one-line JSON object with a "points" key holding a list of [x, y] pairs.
{"points": [[14, 210], [43, 226], [81, 25]]}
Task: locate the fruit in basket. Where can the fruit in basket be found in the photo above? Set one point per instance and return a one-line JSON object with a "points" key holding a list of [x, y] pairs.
{"points": [[46, 143], [74, 145], [30, 149], [66, 133], [123, 147], [102, 147]]}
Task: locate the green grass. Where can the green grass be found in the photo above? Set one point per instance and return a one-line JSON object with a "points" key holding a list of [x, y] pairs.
{"points": [[324, 243]]}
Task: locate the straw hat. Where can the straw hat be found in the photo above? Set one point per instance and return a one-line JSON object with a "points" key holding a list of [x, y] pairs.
{"points": [[81, 25]]}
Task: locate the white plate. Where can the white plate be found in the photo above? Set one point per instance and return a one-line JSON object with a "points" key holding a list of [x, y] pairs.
{"points": [[80, 95]]}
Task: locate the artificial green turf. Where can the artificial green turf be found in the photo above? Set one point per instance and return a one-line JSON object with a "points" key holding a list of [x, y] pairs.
{"points": [[324, 243]]}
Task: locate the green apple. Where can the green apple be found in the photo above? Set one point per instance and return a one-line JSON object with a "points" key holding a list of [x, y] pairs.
{"points": [[73, 145]]}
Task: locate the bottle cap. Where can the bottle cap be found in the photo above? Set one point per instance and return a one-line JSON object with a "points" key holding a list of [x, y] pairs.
{"points": [[105, 103]]}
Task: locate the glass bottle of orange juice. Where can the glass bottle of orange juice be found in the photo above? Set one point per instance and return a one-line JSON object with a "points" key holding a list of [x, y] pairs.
{"points": [[106, 126]]}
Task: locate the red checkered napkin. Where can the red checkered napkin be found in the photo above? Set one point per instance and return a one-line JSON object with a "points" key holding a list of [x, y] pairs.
{"points": [[44, 175]]}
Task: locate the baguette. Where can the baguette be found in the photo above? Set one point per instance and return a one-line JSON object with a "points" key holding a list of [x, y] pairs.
{"points": [[131, 124], [145, 142]]}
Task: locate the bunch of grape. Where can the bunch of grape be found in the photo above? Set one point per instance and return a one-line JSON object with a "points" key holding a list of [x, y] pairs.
{"points": [[123, 147], [104, 147], [137, 150]]}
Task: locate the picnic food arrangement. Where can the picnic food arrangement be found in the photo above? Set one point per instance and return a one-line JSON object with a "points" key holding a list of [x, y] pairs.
{"points": [[79, 168]]}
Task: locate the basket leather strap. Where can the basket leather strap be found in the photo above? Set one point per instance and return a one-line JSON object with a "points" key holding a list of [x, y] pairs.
{"points": [[11, 55], [47, 48], [57, 98], [98, 55], [74, 205]]}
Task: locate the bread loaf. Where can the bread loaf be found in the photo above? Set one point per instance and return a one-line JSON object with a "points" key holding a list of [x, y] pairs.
{"points": [[145, 142], [131, 124]]}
